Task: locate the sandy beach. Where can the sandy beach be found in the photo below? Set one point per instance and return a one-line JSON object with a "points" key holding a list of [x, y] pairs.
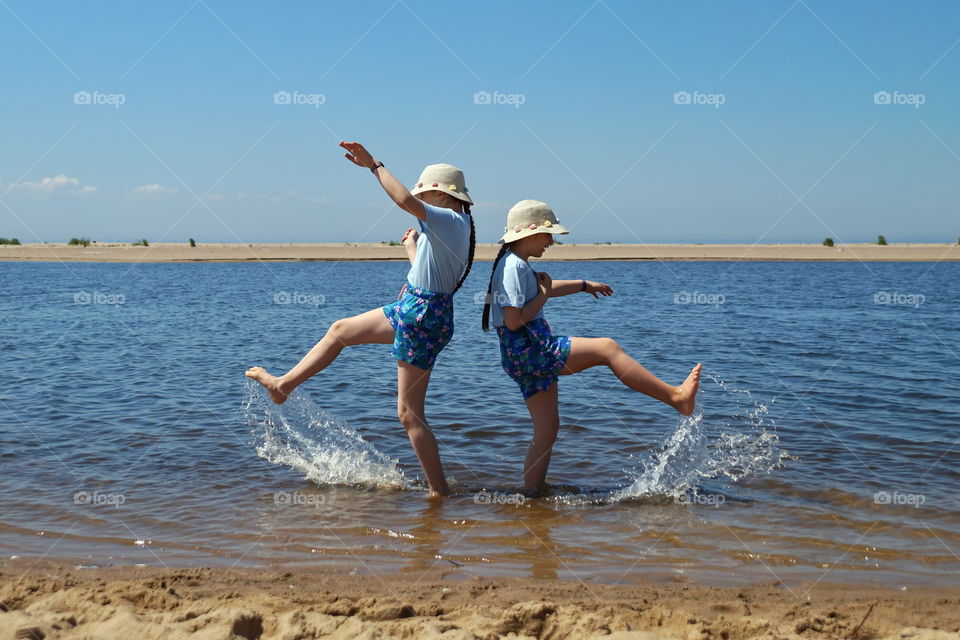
{"points": [[171, 252], [49, 600]]}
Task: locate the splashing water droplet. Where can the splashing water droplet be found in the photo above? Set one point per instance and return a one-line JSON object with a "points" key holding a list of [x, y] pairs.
{"points": [[744, 443], [327, 450]]}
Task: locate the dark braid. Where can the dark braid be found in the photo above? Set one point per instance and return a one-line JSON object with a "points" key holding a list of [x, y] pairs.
{"points": [[486, 306], [473, 246]]}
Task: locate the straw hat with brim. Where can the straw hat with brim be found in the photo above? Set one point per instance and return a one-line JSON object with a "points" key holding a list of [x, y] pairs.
{"points": [[528, 217], [443, 177]]}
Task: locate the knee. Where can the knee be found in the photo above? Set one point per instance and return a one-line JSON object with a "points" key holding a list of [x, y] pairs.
{"points": [[408, 417], [551, 439], [404, 413], [610, 347], [547, 437], [337, 330]]}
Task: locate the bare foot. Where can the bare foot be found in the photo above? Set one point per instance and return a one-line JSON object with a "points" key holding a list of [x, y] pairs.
{"points": [[685, 397], [269, 382]]}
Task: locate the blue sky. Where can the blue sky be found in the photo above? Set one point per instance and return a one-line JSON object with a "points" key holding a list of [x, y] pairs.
{"points": [[782, 139]]}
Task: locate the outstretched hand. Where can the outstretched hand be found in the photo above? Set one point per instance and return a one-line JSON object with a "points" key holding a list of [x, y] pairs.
{"points": [[594, 288], [358, 155]]}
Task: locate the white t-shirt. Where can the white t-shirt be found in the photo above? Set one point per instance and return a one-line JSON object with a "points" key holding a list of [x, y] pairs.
{"points": [[442, 250], [514, 285]]}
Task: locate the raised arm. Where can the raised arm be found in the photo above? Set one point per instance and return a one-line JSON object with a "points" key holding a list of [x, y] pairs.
{"points": [[359, 156]]}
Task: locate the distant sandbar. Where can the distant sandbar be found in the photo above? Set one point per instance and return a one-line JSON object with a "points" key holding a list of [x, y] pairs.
{"points": [[170, 252]]}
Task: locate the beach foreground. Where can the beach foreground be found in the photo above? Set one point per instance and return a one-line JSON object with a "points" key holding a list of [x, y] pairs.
{"points": [[49, 600], [177, 252]]}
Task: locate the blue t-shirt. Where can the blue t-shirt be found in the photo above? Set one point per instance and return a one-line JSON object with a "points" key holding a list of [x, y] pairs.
{"points": [[442, 250], [514, 285]]}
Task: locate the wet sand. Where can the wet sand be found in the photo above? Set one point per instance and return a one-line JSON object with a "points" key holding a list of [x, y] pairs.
{"points": [[170, 252], [49, 600]]}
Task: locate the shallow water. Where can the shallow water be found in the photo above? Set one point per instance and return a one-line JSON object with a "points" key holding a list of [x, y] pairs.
{"points": [[825, 446]]}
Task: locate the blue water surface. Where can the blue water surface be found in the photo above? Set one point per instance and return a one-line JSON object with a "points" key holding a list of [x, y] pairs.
{"points": [[126, 432]]}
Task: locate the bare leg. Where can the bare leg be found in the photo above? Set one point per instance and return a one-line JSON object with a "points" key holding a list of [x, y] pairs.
{"points": [[371, 327], [411, 391], [592, 352], [545, 416]]}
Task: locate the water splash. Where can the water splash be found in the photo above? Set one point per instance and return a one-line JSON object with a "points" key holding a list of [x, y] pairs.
{"points": [[327, 450], [736, 438]]}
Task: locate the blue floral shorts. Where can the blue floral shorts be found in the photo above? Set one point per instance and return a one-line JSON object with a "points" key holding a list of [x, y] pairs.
{"points": [[423, 321], [533, 356]]}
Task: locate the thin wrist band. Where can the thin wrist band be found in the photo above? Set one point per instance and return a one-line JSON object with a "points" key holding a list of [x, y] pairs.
{"points": [[376, 166], [583, 286]]}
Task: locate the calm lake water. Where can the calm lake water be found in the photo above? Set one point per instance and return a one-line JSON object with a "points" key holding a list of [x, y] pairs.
{"points": [[826, 444]]}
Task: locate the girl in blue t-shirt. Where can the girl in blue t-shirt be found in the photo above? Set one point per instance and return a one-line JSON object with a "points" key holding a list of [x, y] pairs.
{"points": [[533, 356], [420, 323]]}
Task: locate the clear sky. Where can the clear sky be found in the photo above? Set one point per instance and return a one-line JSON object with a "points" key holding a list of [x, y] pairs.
{"points": [[123, 120]]}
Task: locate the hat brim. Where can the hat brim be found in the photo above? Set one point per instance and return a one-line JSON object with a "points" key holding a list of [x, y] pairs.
{"points": [[456, 194], [513, 236]]}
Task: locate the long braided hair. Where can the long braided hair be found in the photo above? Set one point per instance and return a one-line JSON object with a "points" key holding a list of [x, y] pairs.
{"points": [[473, 246], [486, 305]]}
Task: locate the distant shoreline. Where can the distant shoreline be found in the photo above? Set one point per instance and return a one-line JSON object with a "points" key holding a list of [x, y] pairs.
{"points": [[344, 252]]}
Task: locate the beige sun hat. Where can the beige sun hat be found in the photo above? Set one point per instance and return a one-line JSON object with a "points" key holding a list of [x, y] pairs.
{"points": [[528, 217], [443, 177]]}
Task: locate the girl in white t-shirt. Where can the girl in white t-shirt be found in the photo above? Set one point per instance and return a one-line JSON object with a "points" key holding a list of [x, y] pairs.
{"points": [[419, 323], [529, 352]]}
